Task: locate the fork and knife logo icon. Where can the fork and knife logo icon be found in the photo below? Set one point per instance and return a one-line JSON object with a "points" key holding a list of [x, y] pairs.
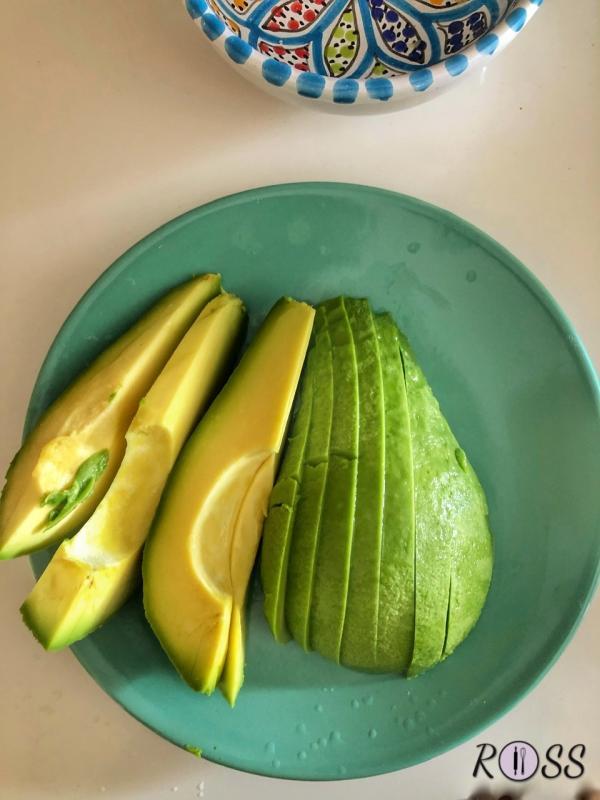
{"points": [[519, 761]]}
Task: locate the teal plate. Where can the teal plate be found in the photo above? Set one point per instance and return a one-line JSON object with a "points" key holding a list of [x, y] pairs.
{"points": [[523, 399]]}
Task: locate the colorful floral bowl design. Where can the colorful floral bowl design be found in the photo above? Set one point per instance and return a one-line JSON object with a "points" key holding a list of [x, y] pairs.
{"points": [[375, 54]]}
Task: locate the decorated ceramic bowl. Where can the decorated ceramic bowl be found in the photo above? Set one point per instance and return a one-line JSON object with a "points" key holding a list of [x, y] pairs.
{"points": [[359, 54]]}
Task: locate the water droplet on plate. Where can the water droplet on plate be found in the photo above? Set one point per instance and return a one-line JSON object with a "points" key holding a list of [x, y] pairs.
{"points": [[319, 708], [414, 247], [323, 741], [302, 755], [335, 736], [276, 763], [270, 747], [355, 703], [342, 769], [300, 728], [471, 276], [372, 733]]}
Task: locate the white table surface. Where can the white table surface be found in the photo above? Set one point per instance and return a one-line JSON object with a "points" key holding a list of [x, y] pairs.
{"points": [[117, 116]]}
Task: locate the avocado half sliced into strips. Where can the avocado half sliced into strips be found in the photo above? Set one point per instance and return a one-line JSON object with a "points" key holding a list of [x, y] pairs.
{"points": [[91, 575], [70, 458], [202, 546]]}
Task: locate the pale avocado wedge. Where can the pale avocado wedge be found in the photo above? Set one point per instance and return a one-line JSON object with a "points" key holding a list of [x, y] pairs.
{"points": [[396, 612], [336, 525], [70, 458], [277, 533], [92, 574], [232, 676], [359, 641], [203, 542], [305, 530]]}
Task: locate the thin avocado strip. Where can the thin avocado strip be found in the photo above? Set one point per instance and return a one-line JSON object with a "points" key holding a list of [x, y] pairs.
{"points": [[359, 641], [396, 612], [435, 472], [277, 534], [473, 558], [336, 528], [305, 532]]}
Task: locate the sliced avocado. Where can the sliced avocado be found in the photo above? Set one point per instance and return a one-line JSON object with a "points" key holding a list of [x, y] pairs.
{"points": [[203, 542], [70, 458], [277, 533], [233, 671], [336, 525], [305, 532], [359, 641], [437, 476], [472, 557], [396, 611], [91, 575]]}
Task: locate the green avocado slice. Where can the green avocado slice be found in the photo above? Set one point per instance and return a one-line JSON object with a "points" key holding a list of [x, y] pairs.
{"points": [[359, 642], [305, 531], [336, 526], [453, 546], [434, 470], [277, 533], [396, 610], [473, 558]]}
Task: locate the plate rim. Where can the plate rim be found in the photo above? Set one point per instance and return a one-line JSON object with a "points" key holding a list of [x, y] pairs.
{"points": [[508, 261]]}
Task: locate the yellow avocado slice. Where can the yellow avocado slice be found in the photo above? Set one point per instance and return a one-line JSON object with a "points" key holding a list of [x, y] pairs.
{"points": [[203, 543], [70, 458], [91, 575]]}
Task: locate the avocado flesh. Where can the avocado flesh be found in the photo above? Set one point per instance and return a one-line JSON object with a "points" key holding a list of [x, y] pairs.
{"points": [[89, 418], [232, 677], [91, 575], [336, 523], [451, 527], [199, 555], [305, 530], [395, 615], [277, 532], [473, 557], [244, 546], [359, 642]]}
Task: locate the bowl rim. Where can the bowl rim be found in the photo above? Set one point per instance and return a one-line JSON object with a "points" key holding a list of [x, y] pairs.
{"points": [[274, 74]]}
